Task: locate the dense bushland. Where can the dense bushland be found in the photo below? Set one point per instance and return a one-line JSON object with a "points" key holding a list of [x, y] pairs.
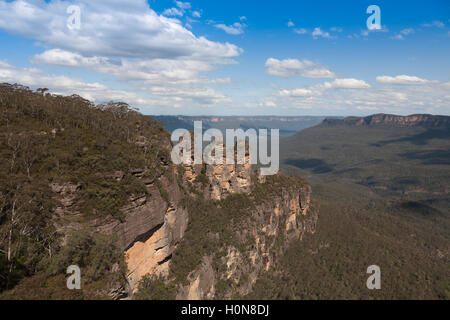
{"points": [[50, 139]]}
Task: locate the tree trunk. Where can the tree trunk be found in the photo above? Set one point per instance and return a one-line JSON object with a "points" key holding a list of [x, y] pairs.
{"points": [[11, 230]]}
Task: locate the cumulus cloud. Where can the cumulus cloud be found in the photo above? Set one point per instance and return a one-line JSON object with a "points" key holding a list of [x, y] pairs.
{"points": [[317, 32], [319, 89], [299, 92], [366, 32], [150, 97], [290, 24], [294, 67], [300, 30], [201, 96], [129, 41], [33, 77], [348, 83], [173, 12], [153, 71], [183, 5], [402, 33], [262, 103], [402, 79], [353, 95], [104, 25], [234, 29]]}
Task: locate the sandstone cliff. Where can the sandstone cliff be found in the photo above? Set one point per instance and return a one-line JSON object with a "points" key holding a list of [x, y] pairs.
{"points": [[155, 222], [93, 185], [266, 231]]}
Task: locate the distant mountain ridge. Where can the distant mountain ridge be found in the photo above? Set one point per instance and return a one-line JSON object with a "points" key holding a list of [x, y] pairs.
{"points": [[427, 120], [287, 125]]}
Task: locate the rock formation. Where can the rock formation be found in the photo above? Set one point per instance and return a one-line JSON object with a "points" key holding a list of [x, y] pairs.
{"points": [[154, 224], [268, 231]]}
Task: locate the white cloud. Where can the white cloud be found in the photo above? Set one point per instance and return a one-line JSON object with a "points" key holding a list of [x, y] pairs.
{"points": [[33, 77], [202, 96], [293, 67], [262, 103], [130, 42], [152, 71], [435, 23], [317, 32], [234, 29], [348, 83], [299, 92], [108, 28], [173, 12], [402, 80], [407, 31], [319, 89], [350, 96], [290, 24], [398, 37], [242, 18], [402, 33], [147, 98], [183, 5], [366, 32], [300, 30], [196, 14]]}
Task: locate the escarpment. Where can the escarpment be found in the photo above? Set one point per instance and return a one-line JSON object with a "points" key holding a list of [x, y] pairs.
{"points": [[153, 226], [93, 185], [257, 217], [426, 120], [152, 223], [252, 244]]}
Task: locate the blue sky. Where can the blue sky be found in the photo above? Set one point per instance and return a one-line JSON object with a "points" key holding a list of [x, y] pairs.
{"points": [[234, 57]]}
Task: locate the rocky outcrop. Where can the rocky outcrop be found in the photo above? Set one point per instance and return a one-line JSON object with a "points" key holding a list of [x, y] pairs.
{"points": [[150, 255], [426, 120], [268, 230], [220, 180], [153, 227], [154, 223], [201, 283]]}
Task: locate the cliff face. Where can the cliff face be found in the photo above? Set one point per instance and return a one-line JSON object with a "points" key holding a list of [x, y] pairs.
{"points": [[83, 184], [269, 228], [426, 120], [154, 225], [155, 222]]}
